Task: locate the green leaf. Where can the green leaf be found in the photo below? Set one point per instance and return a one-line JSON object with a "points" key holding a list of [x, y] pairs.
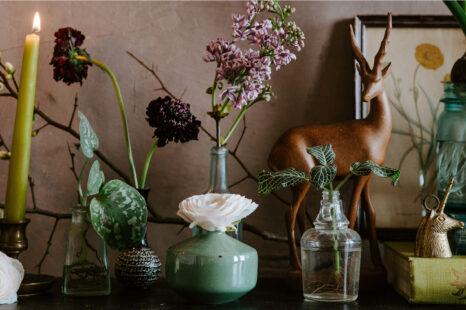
{"points": [[88, 138], [95, 180], [321, 176], [323, 153], [209, 91], [270, 181], [365, 168], [119, 215]]}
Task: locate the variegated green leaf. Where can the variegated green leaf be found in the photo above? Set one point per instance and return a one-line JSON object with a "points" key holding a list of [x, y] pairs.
{"points": [[119, 215], [321, 176], [88, 139], [95, 180], [323, 153], [365, 168], [270, 181]]}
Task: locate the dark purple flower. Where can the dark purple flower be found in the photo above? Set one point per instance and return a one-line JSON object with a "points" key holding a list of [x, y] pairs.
{"points": [[65, 66], [172, 120]]}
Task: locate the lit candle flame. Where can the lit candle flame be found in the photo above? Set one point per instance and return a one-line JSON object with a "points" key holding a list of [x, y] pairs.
{"points": [[36, 23]]}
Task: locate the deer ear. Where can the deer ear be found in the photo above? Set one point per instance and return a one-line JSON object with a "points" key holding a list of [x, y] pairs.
{"points": [[387, 69]]}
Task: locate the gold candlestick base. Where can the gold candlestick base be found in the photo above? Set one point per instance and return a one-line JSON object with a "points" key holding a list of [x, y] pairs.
{"points": [[13, 241]]}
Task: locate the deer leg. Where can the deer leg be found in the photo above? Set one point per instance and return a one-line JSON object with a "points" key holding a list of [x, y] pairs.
{"points": [[299, 192], [370, 211], [359, 184], [302, 217]]}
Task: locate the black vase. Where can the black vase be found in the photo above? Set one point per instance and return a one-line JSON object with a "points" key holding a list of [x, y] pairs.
{"points": [[138, 267]]}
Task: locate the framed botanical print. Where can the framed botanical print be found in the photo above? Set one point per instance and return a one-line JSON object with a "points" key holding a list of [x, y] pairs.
{"points": [[422, 51]]}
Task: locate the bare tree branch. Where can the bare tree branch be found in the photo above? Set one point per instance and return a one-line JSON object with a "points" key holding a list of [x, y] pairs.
{"points": [[73, 166], [75, 106], [33, 194], [49, 244], [151, 70], [6, 83], [3, 143]]}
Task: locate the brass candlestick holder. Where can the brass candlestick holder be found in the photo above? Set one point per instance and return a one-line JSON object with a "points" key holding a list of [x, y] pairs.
{"points": [[13, 241]]}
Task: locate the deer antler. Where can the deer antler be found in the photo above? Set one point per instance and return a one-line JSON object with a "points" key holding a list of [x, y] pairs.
{"points": [[378, 59], [358, 54]]}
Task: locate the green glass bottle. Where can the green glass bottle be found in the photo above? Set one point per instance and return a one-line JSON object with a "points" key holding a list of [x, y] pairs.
{"points": [[451, 156]]}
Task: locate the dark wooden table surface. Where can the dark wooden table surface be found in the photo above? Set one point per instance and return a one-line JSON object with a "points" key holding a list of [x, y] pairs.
{"points": [[269, 294]]}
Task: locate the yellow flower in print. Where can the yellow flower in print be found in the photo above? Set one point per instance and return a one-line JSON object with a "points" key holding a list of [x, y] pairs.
{"points": [[447, 78], [429, 56]]}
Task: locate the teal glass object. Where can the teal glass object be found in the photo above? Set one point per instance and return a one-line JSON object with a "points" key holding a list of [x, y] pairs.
{"points": [[86, 271], [211, 268], [451, 157], [330, 255], [218, 182]]}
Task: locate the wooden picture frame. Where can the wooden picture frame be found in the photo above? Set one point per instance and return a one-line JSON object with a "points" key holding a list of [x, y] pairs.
{"points": [[418, 26]]}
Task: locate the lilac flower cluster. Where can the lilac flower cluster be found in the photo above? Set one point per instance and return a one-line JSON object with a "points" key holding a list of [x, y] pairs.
{"points": [[172, 120], [246, 71]]}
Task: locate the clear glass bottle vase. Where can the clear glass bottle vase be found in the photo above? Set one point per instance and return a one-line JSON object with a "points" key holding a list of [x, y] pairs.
{"points": [[218, 182], [86, 271], [331, 255]]}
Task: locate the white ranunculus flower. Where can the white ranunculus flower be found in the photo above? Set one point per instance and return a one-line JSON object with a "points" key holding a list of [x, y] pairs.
{"points": [[11, 275], [215, 211]]}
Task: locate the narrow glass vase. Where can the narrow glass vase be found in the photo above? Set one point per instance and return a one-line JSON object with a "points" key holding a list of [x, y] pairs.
{"points": [[86, 271], [331, 255], [218, 182]]}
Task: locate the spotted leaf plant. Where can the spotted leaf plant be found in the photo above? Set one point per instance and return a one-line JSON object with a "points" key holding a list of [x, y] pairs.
{"points": [[323, 174], [117, 211]]}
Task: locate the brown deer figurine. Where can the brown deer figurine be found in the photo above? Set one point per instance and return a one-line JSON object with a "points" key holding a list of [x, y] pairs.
{"points": [[354, 140]]}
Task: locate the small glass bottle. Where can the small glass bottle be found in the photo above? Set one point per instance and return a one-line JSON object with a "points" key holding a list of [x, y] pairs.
{"points": [[86, 271], [451, 157], [331, 255], [218, 182]]}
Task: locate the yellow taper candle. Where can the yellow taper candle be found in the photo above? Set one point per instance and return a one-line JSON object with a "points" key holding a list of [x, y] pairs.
{"points": [[16, 193]]}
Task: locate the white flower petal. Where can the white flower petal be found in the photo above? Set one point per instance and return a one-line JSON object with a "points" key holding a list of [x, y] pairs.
{"points": [[215, 211], [11, 275]]}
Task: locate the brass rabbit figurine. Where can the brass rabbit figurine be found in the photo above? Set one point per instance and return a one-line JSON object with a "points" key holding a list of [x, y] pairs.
{"points": [[431, 237]]}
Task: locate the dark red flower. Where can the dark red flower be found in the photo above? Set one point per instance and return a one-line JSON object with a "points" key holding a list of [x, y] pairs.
{"points": [[65, 66], [172, 120]]}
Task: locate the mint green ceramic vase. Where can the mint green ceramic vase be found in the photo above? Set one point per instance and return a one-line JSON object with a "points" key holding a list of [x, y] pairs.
{"points": [[212, 268]]}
